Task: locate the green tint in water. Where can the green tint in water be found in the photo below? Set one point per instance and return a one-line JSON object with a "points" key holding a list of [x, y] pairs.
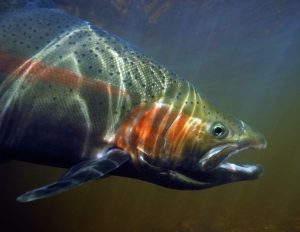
{"points": [[244, 57]]}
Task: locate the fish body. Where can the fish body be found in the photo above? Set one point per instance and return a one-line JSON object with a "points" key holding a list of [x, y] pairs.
{"points": [[75, 96]]}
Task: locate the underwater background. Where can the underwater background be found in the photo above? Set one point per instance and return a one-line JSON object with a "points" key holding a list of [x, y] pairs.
{"points": [[244, 57]]}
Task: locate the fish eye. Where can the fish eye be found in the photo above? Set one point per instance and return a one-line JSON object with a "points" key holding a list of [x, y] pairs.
{"points": [[219, 130]]}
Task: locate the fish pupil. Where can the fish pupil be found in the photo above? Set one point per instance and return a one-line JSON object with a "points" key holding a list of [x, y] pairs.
{"points": [[218, 130]]}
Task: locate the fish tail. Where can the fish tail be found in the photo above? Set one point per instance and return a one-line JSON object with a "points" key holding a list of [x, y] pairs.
{"points": [[10, 5]]}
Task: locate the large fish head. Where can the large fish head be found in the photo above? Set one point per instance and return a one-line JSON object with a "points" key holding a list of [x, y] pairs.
{"points": [[211, 138], [183, 142]]}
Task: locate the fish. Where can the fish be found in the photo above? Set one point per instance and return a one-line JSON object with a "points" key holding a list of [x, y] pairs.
{"points": [[75, 96]]}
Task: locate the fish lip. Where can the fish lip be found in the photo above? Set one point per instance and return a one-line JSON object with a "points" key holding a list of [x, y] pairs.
{"points": [[222, 171], [241, 148], [246, 171], [218, 156]]}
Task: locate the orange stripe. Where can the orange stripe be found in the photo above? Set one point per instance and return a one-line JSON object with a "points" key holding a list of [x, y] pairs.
{"points": [[38, 71], [183, 129], [156, 131]]}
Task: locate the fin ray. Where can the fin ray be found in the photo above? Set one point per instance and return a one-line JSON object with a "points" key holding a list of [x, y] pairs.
{"points": [[79, 174]]}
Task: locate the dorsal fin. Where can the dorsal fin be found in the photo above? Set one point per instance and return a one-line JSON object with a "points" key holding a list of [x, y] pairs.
{"points": [[10, 5]]}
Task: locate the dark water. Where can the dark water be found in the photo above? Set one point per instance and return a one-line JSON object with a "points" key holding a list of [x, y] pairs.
{"points": [[242, 55]]}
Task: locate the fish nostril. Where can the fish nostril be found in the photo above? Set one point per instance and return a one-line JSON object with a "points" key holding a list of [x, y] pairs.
{"points": [[242, 126]]}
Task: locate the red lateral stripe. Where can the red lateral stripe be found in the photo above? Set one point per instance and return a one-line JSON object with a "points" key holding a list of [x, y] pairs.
{"points": [[8, 64], [38, 71], [157, 131]]}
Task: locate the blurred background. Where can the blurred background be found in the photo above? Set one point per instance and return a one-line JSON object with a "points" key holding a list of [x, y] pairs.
{"points": [[244, 57]]}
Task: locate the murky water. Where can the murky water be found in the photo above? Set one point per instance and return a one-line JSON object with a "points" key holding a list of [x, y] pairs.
{"points": [[244, 56]]}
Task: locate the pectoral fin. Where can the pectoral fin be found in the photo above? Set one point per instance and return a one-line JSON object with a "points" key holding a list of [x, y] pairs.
{"points": [[79, 174]]}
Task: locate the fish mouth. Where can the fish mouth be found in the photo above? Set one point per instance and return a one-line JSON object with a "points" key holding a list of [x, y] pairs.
{"points": [[215, 161], [217, 157], [214, 168]]}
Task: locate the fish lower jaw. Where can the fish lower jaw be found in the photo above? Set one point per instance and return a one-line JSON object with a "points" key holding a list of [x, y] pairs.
{"points": [[245, 170], [249, 171]]}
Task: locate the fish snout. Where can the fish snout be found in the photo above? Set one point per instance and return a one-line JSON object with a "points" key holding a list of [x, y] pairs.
{"points": [[252, 138]]}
